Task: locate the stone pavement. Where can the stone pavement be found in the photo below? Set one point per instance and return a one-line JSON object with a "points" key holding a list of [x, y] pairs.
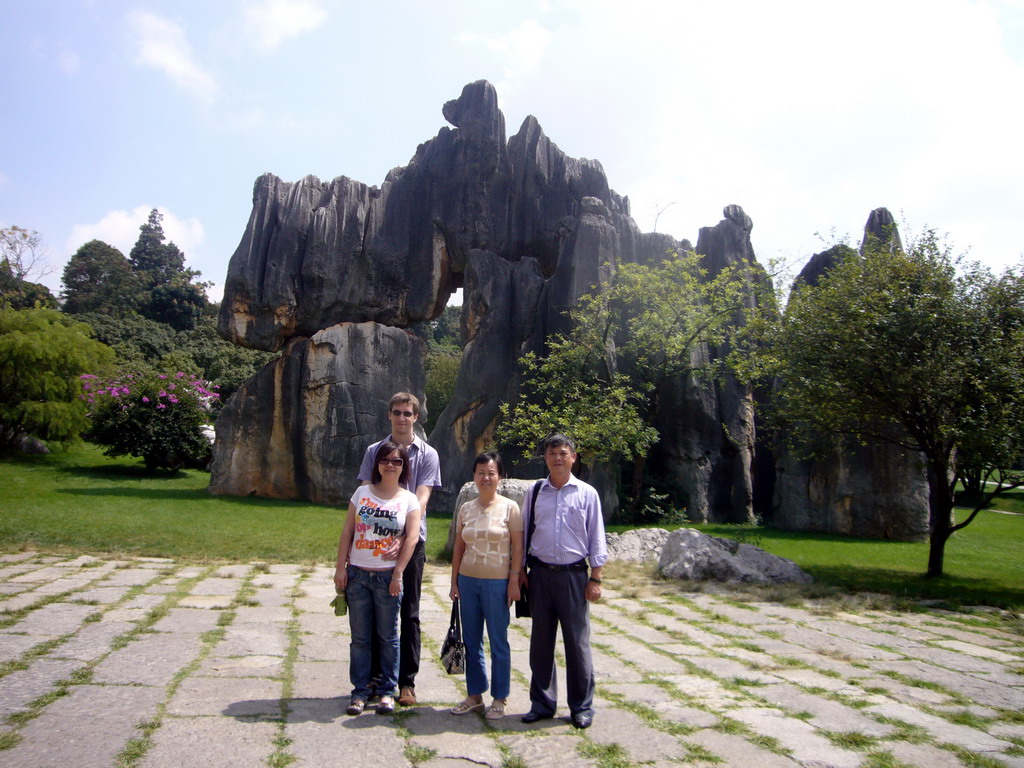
{"points": [[154, 663]]}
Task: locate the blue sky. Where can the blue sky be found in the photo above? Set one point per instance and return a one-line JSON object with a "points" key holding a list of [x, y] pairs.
{"points": [[808, 114]]}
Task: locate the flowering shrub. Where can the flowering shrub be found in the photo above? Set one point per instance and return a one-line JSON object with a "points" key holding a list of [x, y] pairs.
{"points": [[155, 416]]}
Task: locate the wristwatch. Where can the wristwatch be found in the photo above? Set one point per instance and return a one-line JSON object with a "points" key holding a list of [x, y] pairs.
{"points": [[596, 581]]}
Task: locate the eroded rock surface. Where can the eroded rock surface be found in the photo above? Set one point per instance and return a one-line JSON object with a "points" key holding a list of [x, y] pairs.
{"points": [[298, 429], [330, 272]]}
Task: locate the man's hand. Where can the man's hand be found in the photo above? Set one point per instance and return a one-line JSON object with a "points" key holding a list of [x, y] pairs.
{"points": [[593, 592], [394, 548]]}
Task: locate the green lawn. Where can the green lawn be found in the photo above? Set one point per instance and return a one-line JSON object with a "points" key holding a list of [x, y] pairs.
{"points": [[983, 562], [84, 502]]}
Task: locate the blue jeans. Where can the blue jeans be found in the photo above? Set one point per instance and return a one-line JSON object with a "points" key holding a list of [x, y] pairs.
{"points": [[485, 601], [372, 612]]}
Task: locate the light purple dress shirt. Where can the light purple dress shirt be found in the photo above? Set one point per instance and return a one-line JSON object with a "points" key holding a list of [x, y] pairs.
{"points": [[569, 524]]}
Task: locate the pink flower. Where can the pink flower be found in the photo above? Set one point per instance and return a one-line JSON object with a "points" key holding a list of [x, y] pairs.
{"points": [[145, 399]]}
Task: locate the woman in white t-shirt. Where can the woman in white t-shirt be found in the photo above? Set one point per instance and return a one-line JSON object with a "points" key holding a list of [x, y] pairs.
{"points": [[485, 576], [378, 513]]}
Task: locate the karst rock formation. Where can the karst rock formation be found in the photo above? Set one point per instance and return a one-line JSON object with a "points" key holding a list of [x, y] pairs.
{"points": [[334, 274]]}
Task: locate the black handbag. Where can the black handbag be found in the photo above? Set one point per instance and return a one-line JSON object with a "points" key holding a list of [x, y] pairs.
{"points": [[453, 651], [523, 603]]}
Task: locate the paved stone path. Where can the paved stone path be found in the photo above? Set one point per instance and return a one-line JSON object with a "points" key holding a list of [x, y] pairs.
{"points": [[153, 663]]}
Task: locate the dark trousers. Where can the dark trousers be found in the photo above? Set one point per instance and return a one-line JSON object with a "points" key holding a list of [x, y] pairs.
{"points": [[557, 598], [409, 624]]}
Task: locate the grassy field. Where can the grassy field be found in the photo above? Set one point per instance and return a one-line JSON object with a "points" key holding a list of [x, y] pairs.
{"points": [[84, 502]]}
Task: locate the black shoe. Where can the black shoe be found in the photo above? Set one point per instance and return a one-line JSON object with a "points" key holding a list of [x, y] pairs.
{"points": [[582, 720], [533, 717]]}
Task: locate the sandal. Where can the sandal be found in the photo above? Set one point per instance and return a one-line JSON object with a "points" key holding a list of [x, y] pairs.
{"points": [[468, 705], [497, 710]]}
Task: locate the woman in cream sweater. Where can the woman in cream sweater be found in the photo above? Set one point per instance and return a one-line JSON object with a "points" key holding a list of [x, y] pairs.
{"points": [[485, 578]]}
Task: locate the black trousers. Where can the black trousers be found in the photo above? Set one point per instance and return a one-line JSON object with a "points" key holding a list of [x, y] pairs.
{"points": [[408, 624], [557, 598]]}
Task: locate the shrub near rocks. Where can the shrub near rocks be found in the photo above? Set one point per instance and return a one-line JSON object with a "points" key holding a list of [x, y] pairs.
{"points": [[161, 418]]}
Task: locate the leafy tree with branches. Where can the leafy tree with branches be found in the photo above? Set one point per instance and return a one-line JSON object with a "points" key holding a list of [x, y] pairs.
{"points": [[22, 257], [169, 294], [98, 278], [42, 355], [601, 380], [913, 348]]}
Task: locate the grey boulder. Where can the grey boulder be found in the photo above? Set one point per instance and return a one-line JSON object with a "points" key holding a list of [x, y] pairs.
{"points": [[689, 554]]}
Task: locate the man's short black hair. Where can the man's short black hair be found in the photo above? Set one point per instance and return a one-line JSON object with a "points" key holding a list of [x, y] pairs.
{"points": [[556, 440]]}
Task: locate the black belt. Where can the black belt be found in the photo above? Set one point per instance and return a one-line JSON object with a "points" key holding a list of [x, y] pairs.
{"points": [[579, 565]]}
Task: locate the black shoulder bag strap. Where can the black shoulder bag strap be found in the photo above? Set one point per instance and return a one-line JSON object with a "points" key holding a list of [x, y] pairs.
{"points": [[533, 519]]}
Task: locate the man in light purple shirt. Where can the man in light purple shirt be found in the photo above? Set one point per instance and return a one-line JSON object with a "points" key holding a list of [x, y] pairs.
{"points": [[565, 530], [424, 476]]}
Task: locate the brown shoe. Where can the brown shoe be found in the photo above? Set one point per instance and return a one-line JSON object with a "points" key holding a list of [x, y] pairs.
{"points": [[407, 697]]}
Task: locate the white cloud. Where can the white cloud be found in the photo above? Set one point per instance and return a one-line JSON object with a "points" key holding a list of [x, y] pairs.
{"points": [[271, 22], [520, 51], [162, 45], [69, 62], [121, 229]]}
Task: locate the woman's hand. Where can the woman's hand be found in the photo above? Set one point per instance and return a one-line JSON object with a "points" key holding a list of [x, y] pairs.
{"points": [[340, 579], [395, 587], [513, 589], [453, 593]]}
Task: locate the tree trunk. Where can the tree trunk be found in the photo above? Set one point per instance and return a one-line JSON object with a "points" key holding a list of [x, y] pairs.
{"points": [[636, 486], [940, 511]]}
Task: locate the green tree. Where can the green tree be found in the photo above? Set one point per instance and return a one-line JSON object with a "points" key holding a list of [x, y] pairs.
{"points": [[903, 347], [204, 352], [98, 278], [42, 355], [442, 368], [22, 257], [600, 381], [155, 416], [156, 261], [170, 294], [138, 341]]}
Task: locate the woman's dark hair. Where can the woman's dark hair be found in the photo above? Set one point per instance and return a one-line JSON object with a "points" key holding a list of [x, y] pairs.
{"points": [[487, 456], [387, 447]]}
